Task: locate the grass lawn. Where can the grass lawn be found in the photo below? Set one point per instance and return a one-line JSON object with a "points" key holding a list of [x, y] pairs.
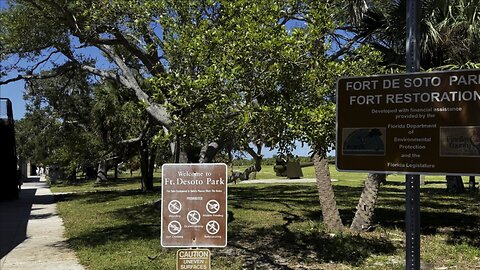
{"points": [[274, 226]]}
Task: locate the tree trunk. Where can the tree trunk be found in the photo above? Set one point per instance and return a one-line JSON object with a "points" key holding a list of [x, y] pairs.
{"points": [[366, 205], [179, 156], [455, 184], [331, 216], [250, 172], [102, 171], [115, 177], [90, 172], [230, 160], [151, 169], [146, 167], [128, 79], [73, 176], [208, 152], [471, 184]]}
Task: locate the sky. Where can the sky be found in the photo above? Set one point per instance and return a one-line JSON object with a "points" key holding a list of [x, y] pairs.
{"points": [[14, 92]]}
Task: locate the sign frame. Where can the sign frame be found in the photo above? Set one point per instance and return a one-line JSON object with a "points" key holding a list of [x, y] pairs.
{"points": [[369, 91], [195, 215]]}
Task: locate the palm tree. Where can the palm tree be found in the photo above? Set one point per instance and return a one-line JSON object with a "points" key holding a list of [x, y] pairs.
{"points": [[450, 31], [366, 205]]}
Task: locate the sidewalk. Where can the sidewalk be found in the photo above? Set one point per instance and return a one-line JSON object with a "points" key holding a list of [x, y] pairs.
{"points": [[31, 232]]}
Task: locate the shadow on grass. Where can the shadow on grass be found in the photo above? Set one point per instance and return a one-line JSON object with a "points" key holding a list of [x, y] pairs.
{"points": [[456, 216], [259, 247], [266, 245], [295, 236], [107, 184], [142, 223], [100, 196], [297, 205], [119, 233]]}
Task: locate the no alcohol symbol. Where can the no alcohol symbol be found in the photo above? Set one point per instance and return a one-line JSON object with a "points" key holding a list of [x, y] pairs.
{"points": [[174, 207], [193, 217], [213, 227], [213, 206]]}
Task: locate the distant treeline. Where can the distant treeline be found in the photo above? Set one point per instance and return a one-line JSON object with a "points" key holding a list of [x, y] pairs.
{"points": [[271, 161]]}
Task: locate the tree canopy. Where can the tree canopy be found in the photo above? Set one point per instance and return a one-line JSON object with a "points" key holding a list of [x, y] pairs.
{"points": [[187, 59], [74, 123]]}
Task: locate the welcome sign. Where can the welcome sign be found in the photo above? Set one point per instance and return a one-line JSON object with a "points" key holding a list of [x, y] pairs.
{"points": [[194, 205]]}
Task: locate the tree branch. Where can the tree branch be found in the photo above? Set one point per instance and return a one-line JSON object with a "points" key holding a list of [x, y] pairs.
{"points": [[345, 48], [44, 75], [101, 73], [152, 63], [128, 79], [140, 137], [44, 60]]}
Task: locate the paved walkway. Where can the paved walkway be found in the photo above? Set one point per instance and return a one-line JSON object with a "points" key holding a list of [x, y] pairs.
{"points": [[31, 232]]}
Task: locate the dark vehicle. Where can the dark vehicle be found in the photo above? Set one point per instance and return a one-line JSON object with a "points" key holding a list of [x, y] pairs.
{"points": [[9, 180]]}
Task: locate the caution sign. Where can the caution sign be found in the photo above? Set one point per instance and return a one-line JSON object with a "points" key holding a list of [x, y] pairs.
{"points": [[425, 123], [193, 259], [194, 205]]}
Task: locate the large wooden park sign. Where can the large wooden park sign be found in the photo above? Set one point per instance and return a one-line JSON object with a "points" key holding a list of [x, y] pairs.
{"points": [[426, 123], [194, 205]]}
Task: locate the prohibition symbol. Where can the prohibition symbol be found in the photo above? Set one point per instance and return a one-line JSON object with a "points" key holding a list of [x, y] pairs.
{"points": [[213, 227], [193, 217], [174, 227], [213, 206], [174, 207]]}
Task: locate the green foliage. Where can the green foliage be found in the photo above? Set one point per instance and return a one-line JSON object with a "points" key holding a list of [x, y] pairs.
{"points": [[33, 136], [233, 71], [450, 31], [45, 140], [55, 130], [20, 36], [73, 122], [253, 77]]}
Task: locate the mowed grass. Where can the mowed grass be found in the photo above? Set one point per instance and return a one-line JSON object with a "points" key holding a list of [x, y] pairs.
{"points": [[275, 226]]}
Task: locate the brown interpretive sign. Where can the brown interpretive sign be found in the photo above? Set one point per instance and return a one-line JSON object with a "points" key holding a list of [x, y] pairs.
{"points": [[193, 259], [424, 123], [194, 205]]}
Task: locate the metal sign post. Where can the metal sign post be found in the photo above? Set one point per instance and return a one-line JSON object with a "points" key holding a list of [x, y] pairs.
{"points": [[412, 182], [412, 221]]}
